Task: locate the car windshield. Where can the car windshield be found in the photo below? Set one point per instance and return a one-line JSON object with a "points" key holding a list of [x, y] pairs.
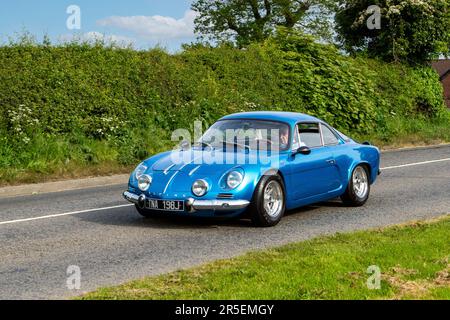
{"points": [[248, 134]]}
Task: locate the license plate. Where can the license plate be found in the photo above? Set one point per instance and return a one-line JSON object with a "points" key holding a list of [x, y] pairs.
{"points": [[164, 205]]}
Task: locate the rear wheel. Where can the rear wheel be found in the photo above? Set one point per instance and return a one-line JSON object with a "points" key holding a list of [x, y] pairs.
{"points": [[358, 189], [268, 204]]}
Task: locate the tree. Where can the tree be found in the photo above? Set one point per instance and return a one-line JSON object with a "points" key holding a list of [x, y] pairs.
{"points": [[411, 31], [246, 21]]}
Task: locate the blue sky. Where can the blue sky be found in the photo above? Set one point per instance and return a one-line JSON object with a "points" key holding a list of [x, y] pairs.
{"points": [[144, 23]]}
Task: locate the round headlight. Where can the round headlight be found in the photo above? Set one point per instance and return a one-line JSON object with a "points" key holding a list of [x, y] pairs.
{"points": [[140, 170], [144, 182], [200, 188], [234, 179]]}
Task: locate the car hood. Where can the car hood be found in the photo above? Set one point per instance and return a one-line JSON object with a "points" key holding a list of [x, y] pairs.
{"points": [[174, 172], [205, 162]]}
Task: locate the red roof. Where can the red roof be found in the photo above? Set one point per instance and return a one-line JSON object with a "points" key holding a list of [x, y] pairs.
{"points": [[442, 67]]}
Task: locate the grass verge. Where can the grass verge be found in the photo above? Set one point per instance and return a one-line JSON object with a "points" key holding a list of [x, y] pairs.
{"points": [[413, 259], [402, 132]]}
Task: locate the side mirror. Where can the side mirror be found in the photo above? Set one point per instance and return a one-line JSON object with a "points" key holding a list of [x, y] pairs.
{"points": [[303, 150], [185, 145]]}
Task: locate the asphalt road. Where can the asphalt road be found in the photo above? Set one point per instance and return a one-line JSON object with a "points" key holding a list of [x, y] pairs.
{"points": [[114, 244]]}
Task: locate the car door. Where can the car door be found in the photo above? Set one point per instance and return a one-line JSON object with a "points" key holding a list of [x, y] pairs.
{"points": [[333, 143], [313, 174]]}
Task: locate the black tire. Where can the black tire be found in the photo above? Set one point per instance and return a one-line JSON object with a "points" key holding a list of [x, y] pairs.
{"points": [[258, 214], [350, 197]]}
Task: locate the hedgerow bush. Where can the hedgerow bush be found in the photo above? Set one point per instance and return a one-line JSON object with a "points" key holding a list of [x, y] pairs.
{"points": [[81, 104]]}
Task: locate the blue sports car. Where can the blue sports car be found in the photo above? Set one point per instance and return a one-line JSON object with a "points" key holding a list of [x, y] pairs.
{"points": [[257, 164]]}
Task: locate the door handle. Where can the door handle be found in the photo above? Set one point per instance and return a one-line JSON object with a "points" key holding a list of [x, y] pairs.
{"points": [[332, 161]]}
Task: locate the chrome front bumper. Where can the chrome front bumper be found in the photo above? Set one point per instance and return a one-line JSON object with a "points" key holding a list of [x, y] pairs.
{"points": [[196, 205]]}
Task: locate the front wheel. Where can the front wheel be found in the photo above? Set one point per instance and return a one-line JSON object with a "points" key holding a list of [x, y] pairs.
{"points": [[268, 203], [358, 189]]}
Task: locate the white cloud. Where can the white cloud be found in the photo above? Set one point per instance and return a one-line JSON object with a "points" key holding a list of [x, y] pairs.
{"points": [[154, 27]]}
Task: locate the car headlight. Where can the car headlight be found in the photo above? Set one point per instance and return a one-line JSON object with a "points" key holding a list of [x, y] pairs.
{"points": [[234, 179], [144, 182], [140, 170], [200, 188]]}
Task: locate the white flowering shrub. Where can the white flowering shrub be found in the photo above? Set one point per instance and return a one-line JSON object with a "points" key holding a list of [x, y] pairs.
{"points": [[106, 127], [412, 31], [22, 124]]}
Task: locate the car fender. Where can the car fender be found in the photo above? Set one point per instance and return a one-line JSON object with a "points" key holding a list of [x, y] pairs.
{"points": [[149, 162], [253, 176], [371, 163]]}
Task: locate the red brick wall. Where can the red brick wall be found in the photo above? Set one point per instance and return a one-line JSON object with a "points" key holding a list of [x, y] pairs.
{"points": [[441, 66], [446, 84]]}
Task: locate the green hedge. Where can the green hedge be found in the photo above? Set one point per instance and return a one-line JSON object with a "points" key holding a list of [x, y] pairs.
{"points": [[91, 103]]}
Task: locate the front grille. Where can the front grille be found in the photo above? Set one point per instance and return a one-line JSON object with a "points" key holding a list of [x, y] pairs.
{"points": [[225, 196]]}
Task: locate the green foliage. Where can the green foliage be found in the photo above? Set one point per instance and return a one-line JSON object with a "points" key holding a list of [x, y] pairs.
{"points": [[355, 95], [87, 105], [411, 31], [247, 21], [316, 79]]}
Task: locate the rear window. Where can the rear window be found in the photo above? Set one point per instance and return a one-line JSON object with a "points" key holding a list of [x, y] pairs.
{"points": [[329, 137]]}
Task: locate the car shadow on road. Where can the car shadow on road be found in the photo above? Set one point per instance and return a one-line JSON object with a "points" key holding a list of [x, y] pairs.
{"points": [[130, 218], [311, 209]]}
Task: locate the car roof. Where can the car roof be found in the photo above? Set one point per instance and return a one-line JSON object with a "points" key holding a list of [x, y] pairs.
{"points": [[289, 117]]}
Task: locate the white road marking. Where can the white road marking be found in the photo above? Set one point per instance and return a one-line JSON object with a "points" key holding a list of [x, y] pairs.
{"points": [[64, 214], [129, 205], [415, 164]]}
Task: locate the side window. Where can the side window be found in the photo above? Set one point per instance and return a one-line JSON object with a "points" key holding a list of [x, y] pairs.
{"points": [[329, 138], [310, 135]]}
